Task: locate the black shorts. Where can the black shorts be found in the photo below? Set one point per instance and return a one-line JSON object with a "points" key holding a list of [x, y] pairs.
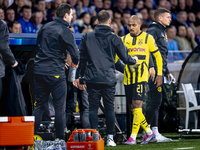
{"points": [[136, 91]]}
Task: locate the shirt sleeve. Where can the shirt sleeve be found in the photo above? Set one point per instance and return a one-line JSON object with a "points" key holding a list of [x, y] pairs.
{"points": [[83, 57], [154, 50], [122, 52], [68, 38], [4, 44]]}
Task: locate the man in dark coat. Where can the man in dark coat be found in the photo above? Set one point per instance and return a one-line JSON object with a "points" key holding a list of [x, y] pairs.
{"points": [[54, 41], [97, 66], [5, 51], [157, 30]]}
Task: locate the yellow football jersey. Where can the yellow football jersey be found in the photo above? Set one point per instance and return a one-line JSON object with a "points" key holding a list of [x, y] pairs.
{"points": [[140, 46]]}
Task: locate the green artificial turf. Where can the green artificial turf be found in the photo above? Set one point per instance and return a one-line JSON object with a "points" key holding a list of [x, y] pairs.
{"points": [[186, 142]]}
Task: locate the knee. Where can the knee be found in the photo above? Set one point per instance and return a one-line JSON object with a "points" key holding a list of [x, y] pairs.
{"points": [[136, 104]]}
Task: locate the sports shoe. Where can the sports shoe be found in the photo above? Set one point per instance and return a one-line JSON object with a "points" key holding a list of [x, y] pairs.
{"points": [[130, 141], [161, 138], [110, 142], [148, 138], [143, 135]]}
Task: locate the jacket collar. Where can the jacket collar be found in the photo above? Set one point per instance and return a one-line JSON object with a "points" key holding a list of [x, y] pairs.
{"points": [[102, 30], [60, 20], [160, 25]]}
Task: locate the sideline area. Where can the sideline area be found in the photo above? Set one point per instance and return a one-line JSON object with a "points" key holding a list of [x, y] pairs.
{"points": [[186, 142]]}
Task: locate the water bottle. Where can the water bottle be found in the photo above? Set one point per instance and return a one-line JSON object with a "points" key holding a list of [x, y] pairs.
{"points": [[88, 136], [75, 135], [72, 73], [63, 145], [49, 145], [44, 145], [57, 144], [95, 136], [38, 144], [82, 135]]}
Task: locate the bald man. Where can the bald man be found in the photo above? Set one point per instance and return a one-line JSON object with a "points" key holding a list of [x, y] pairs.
{"points": [[139, 44]]}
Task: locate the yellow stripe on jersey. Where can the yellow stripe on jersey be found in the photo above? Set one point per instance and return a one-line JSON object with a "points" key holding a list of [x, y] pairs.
{"points": [[140, 46]]}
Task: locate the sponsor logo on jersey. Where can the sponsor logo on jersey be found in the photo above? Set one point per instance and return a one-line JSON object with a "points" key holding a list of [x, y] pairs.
{"points": [[136, 50]]}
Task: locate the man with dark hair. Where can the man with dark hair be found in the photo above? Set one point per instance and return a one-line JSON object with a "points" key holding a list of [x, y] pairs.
{"points": [[17, 5], [157, 30], [185, 38], [37, 18], [27, 26], [121, 6], [15, 27], [40, 5], [54, 41], [148, 4], [125, 16], [97, 67], [5, 52], [117, 17], [2, 15], [9, 15]]}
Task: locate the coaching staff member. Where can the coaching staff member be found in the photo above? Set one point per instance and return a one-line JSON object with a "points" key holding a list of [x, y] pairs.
{"points": [[157, 30], [5, 52], [97, 65], [54, 41]]}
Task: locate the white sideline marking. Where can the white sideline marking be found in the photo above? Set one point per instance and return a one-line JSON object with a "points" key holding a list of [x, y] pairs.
{"points": [[184, 148]]}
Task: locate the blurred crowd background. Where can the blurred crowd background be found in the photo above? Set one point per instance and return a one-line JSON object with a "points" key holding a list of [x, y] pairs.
{"points": [[28, 16]]}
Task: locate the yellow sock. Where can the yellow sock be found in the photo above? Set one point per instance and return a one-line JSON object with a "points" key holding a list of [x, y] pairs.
{"points": [[144, 124], [136, 121]]}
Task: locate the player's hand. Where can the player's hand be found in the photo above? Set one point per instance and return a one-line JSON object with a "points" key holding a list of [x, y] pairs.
{"points": [[152, 73], [168, 76], [16, 63], [136, 58], [82, 87], [158, 81], [66, 66], [76, 83]]}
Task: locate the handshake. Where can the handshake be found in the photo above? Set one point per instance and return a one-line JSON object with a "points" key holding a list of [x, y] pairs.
{"points": [[135, 57], [132, 67]]}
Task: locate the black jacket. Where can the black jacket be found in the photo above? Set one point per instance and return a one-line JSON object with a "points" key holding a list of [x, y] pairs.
{"points": [[158, 32], [54, 41], [97, 55], [13, 103], [4, 48]]}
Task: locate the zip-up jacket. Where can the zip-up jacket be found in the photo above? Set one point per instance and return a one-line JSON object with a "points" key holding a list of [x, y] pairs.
{"points": [[158, 32], [97, 55], [54, 41], [5, 50]]}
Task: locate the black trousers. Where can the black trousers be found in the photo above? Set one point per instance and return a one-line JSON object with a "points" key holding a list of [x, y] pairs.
{"points": [[95, 92], [44, 85], [74, 95], [152, 112]]}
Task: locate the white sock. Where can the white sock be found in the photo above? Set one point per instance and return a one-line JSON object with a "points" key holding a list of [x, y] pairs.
{"points": [[110, 136], [134, 137], [155, 130]]}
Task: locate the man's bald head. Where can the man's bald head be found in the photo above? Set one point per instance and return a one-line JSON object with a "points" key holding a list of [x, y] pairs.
{"points": [[135, 18], [134, 24]]}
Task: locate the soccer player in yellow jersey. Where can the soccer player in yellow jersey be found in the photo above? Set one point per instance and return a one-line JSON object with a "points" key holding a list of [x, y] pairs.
{"points": [[136, 76]]}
